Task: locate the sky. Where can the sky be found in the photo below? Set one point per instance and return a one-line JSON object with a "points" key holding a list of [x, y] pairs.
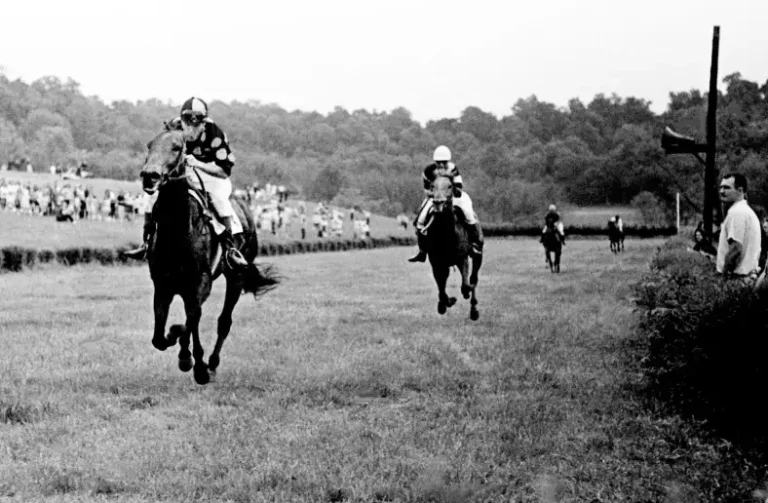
{"points": [[435, 58]]}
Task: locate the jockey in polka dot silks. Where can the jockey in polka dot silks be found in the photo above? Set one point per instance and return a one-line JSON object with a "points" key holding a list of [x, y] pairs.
{"points": [[210, 160], [444, 167]]}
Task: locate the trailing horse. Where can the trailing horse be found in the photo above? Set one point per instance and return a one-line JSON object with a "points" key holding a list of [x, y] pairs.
{"points": [[447, 245], [185, 256], [553, 245], [616, 237]]}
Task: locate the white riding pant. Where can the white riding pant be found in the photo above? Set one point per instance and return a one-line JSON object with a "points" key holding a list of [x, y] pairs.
{"points": [[219, 189], [464, 203], [559, 226]]}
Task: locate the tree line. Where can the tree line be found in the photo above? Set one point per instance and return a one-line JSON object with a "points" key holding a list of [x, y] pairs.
{"points": [[605, 152]]}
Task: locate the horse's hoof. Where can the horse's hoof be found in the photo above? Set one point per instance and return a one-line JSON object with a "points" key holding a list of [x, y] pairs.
{"points": [[465, 292], [441, 308], [174, 333], [185, 364], [451, 301], [474, 314], [160, 343], [201, 375], [213, 363]]}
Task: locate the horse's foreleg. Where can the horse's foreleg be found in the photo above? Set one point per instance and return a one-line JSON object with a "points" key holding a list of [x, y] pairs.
{"points": [[441, 278], [162, 303], [193, 309], [232, 295]]}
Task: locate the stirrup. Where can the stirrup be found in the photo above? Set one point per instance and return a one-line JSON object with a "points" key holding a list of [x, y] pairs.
{"points": [[476, 250], [419, 257], [234, 258], [138, 253]]}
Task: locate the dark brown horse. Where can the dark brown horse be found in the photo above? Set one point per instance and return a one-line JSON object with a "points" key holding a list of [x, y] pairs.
{"points": [[185, 256], [447, 245], [616, 237], [553, 247]]}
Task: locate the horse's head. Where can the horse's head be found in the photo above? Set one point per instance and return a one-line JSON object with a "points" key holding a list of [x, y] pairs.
{"points": [[164, 160], [442, 193]]}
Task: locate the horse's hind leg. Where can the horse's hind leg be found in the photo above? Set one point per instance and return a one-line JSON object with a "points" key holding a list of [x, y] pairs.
{"points": [[474, 314], [477, 262], [466, 286], [232, 295]]}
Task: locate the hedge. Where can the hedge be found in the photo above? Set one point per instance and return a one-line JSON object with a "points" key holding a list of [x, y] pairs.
{"points": [[506, 230], [15, 258]]}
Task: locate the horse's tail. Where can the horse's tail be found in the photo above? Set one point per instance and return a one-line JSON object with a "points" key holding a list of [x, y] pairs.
{"points": [[259, 281]]}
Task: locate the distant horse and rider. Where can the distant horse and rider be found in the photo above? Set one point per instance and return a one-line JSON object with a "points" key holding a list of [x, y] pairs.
{"points": [[553, 238], [616, 234], [553, 247], [185, 255]]}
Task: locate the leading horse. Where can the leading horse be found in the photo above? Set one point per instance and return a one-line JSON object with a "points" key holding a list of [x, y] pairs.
{"points": [[447, 245], [185, 256], [553, 247]]}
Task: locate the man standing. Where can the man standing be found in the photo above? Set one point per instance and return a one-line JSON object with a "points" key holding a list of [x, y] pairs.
{"points": [[738, 250]]}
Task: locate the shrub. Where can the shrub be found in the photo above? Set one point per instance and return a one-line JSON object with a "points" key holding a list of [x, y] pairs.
{"points": [[12, 258], [704, 342]]}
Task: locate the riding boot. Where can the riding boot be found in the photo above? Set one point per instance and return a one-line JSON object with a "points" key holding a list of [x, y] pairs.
{"points": [[476, 238], [421, 242], [149, 231], [562, 239], [233, 258]]}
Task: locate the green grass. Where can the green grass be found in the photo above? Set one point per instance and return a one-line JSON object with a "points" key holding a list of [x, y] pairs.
{"points": [[98, 185], [344, 384], [599, 215], [46, 232]]}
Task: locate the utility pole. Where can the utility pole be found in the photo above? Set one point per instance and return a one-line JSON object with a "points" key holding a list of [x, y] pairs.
{"points": [[710, 173], [675, 143]]}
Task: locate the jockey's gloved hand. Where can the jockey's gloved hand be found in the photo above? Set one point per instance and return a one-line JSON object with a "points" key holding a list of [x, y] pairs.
{"points": [[456, 192]]}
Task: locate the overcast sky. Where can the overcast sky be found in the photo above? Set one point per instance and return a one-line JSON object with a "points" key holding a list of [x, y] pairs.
{"points": [[432, 57]]}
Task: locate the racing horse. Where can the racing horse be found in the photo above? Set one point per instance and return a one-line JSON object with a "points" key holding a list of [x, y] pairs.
{"points": [[553, 246], [616, 237], [185, 256], [447, 245]]}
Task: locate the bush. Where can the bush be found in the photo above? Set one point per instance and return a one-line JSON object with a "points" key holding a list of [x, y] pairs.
{"points": [[704, 342]]}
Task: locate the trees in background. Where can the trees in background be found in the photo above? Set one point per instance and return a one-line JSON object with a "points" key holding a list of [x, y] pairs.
{"points": [[603, 152]]}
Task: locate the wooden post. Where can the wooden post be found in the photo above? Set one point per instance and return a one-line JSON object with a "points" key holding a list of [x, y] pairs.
{"points": [[710, 173]]}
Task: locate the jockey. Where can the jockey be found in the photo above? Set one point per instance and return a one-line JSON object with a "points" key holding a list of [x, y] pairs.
{"points": [[552, 218], [619, 223], [461, 200], [208, 155]]}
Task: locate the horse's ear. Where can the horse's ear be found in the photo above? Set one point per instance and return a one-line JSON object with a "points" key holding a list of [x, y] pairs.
{"points": [[172, 125]]}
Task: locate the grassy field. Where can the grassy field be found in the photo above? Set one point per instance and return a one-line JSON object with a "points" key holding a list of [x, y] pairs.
{"points": [[344, 384]]}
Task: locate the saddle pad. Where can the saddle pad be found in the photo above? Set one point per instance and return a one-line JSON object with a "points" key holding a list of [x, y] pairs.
{"points": [[218, 227]]}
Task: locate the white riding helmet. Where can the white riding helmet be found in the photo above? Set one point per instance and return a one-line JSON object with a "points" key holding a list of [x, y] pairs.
{"points": [[552, 207], [442, 153]]}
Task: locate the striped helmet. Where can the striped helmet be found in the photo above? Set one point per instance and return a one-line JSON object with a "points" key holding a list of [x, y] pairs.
{"points": [[194, 110]]}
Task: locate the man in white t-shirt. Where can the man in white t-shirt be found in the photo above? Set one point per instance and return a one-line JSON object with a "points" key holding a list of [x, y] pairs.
{"points": [[738, 250]]}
